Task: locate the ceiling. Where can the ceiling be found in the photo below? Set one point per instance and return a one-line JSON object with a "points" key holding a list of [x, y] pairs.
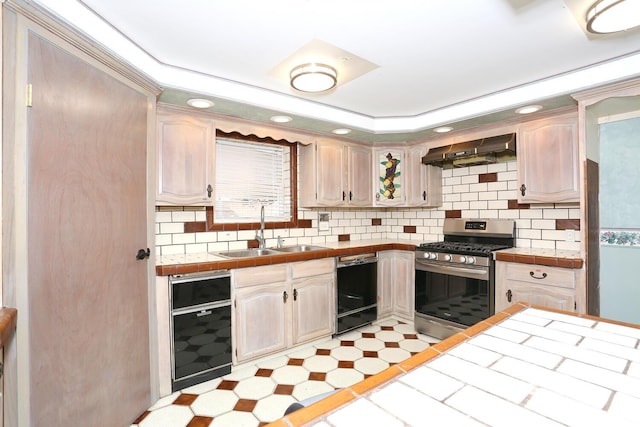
{"points": [[404, 67]]}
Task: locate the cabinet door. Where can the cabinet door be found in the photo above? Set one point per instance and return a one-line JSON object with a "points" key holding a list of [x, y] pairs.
{"points": [[360, 175], [547, 296], [390, 177], [260, 320], [313, 307], [548, 161], [424, 182], [186, 163], [385, 283], [331, 187], [404, 284]]}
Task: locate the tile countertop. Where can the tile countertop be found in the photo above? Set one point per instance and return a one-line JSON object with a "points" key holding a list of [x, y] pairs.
{"points": [[525, 366], [548, 257], [191, 263]]}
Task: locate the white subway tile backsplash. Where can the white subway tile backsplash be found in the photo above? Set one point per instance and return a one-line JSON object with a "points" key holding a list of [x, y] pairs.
{"points": [[183, 239], [461, 191], [183, 216]]}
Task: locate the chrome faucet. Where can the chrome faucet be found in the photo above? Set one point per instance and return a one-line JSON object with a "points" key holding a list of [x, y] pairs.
{"points": [[260, 234]]}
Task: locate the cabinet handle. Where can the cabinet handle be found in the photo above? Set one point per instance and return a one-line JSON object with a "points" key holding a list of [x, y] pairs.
{"points": [[285, 297], [532, 274], [523, 189], [209, 190], [350, 196], [424, 195], [509, 294], [344, 196], [295, 295]]}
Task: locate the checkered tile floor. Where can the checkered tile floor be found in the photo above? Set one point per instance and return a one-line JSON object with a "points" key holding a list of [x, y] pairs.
{"points": [[258, 394]]}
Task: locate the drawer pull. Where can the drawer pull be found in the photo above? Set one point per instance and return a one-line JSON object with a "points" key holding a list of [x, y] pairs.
{"points": [[532, 274], [509, 295]]}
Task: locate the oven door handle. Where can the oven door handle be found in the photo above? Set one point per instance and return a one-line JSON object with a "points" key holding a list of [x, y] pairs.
{"points": [[449, 269]]}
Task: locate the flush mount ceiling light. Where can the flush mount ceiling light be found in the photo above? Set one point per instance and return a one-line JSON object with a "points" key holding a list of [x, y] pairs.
{"points": [[200, 103], [313, 77], [529, 109], [443, 129], [610, 16], [281, 119], [341, 131]]}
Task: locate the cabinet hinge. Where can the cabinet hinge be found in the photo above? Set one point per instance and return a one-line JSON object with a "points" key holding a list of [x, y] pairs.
{"points": [[29, 95]]}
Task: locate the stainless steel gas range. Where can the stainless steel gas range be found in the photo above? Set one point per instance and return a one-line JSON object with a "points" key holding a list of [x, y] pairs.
{"points": [[455, 278]]}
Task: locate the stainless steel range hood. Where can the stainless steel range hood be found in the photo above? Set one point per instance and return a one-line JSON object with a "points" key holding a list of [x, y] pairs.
{"points": [[478, 152]]}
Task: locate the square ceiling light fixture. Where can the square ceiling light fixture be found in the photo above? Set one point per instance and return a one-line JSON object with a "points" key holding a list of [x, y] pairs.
{"points": [[313, 77], [611, 16]]}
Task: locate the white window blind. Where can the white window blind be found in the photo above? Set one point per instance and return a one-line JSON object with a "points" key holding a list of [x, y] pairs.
{"points": [[249, 175]]}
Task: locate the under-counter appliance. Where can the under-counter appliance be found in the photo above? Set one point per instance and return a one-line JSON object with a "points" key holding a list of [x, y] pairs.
{"points": [[357, 291], [200, 327], [455, 278]]}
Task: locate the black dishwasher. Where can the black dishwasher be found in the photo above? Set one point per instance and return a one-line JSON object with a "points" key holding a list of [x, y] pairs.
{"points": [[200, 326], [357, 291]]}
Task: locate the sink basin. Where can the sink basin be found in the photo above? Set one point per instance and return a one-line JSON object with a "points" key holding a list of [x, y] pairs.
{"points": [[247, 253], [299, 248]]}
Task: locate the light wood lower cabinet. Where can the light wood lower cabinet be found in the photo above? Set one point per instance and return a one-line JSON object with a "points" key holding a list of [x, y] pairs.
{"points": [[552, 287], [280, 306], [396, 280]]}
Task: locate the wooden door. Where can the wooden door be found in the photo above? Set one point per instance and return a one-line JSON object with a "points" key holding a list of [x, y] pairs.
{"points": [[404, 286], [88, 304], [385, 283]]}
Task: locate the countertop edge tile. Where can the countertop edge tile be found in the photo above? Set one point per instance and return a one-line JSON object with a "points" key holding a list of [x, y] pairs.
{"points": [[8, 321]]}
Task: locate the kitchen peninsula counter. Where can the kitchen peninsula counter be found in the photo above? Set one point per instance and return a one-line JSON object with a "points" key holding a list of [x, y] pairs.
{"points": [[527, 365], [191, 263]]}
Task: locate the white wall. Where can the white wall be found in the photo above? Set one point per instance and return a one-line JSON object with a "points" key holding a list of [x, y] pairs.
{"points": [[536, 226]]}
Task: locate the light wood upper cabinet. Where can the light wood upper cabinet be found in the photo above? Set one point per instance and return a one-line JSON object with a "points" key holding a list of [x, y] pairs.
{"points": [[424, 182], [333, 173], [547, 161], [401, 179], [186, 159]]}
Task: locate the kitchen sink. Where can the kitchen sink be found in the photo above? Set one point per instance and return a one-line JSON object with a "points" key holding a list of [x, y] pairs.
{"points": [[247, 253], [300, 248]]}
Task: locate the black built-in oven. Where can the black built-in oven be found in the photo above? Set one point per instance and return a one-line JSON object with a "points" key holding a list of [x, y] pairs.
{"points": [[455, 279], [200, 327], [357, 295]]}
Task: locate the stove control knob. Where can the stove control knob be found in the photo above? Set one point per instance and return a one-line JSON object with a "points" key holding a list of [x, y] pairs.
{"points": [[471, 260], [462, 259], [447, 257], [432, 255]]}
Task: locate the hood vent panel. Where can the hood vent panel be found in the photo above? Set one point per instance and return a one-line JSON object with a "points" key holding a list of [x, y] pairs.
{"points": [[478, 152]]}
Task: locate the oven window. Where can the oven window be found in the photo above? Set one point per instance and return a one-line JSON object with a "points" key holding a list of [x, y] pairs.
{"points": [[457, 299]]}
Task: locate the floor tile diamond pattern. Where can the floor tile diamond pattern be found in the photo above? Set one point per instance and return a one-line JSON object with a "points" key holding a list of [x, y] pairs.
{"points": [[259, 394]]}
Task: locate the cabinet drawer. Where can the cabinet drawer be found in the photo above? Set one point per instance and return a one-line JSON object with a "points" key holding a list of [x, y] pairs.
{"points": [[541, 275], [259, 275], [312, 268]]}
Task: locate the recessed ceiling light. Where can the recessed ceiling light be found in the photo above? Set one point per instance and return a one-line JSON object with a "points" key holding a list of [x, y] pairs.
{"points": [[281, 119], [611, 16], [341, 131], [443, 129], [200, 103], [529, 109]]}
